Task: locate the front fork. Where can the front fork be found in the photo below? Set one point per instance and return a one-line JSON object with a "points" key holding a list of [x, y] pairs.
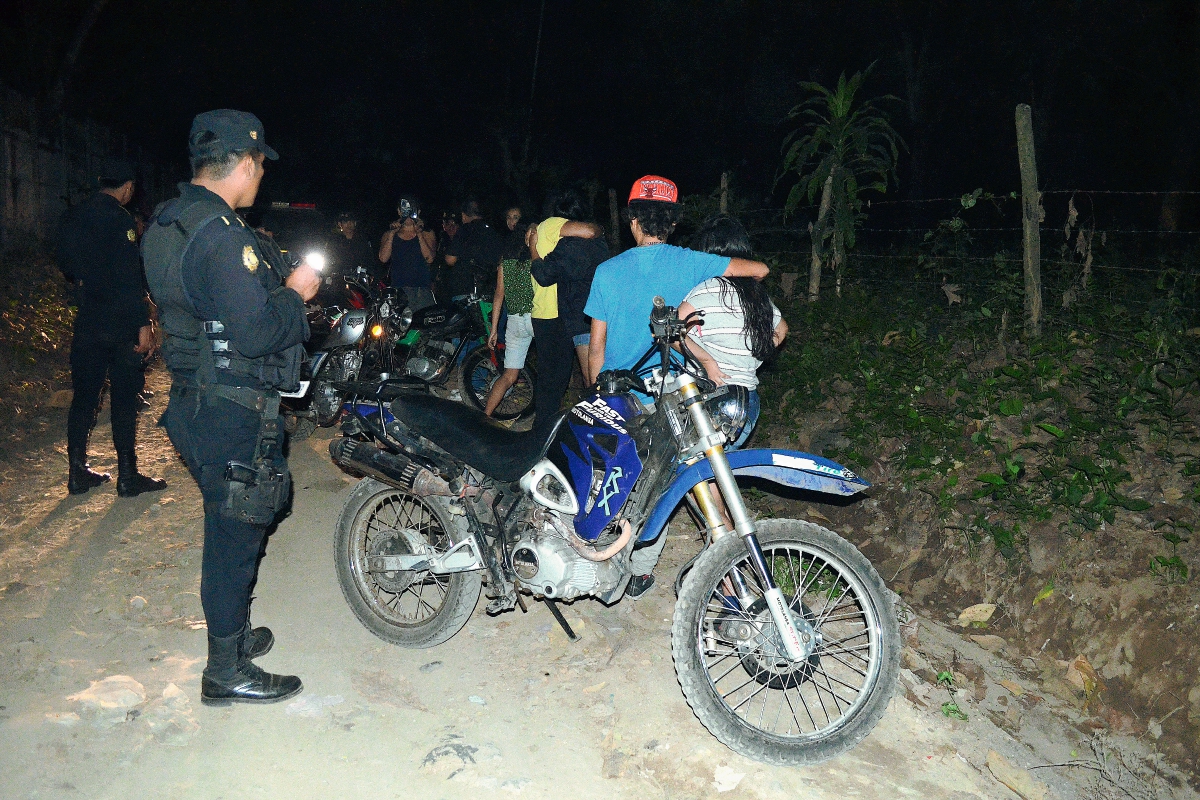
{"points": [[714, 450]]}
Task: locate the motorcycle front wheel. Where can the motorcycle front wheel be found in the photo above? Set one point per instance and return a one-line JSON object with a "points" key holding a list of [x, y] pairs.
{"points": [[731, 664], [479, 374], [410, 608]]}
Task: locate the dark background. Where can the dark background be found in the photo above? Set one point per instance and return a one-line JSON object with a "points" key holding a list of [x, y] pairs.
{"points": [[366, 100]]}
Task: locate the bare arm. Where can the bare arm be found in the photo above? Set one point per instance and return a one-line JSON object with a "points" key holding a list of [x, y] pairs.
{"points": [[582, 230], [596, 348], [703, 356], [780, 332], [745, 268], [708, 362], [497, 304], [385, 246]]}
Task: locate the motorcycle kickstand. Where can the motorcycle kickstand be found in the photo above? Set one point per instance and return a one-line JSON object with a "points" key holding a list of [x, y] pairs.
{"points": [[553, 606]]}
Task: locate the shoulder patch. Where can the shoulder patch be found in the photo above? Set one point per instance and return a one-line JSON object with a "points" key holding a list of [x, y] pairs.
{"points": [[249, 258]]}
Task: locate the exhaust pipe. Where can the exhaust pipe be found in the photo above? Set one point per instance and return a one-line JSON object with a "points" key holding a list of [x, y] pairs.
{"points": [[391, 468]]}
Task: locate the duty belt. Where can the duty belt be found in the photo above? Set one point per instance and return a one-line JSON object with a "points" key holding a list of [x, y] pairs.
{"points": [[265, 403]]}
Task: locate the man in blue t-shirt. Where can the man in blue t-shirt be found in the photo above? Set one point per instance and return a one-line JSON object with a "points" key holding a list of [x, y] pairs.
{"points": [[625, 286], [623, 293]]}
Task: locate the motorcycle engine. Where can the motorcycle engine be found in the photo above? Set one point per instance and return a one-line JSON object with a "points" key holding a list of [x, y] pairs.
{"points": [[346, 365], [429, 359], [546, 563], [343, 366]]}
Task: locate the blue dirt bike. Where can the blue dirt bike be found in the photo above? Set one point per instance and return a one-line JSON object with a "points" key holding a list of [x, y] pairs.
{"points": [[785, 640]]}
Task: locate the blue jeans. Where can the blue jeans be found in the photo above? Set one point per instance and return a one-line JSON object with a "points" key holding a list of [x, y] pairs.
{"points": [[753, 409]]}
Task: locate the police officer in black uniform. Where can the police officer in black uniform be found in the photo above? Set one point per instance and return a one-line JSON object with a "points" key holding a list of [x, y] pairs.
{"points": [[235, 327], [97, 249]]}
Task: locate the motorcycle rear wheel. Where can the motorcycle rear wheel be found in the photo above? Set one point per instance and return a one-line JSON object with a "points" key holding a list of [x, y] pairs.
{"points": [[730, 664], [479, 374], [409, 608]]}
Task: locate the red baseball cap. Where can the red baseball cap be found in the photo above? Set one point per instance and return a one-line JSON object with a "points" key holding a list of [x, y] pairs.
{"points": [[654, 187]]}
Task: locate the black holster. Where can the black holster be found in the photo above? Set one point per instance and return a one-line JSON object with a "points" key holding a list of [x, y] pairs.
{"points": [[257, 491]]}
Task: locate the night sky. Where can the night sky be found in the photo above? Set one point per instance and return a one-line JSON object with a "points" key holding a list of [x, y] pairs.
{"points": [[365, 100]]}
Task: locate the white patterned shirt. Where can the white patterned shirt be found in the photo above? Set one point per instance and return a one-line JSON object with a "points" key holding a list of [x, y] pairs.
{"points": [[723, 333]]}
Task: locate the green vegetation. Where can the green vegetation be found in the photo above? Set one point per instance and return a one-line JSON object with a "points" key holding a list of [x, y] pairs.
{"points": [[35, 322], [923, 375], [950, 708], [844, 146]]}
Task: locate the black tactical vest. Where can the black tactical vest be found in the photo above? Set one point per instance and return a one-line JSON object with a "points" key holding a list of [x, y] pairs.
{"points": [[194, 348]]}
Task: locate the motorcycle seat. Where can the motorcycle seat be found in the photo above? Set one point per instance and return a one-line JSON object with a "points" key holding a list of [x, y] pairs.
{"points": [[472, 438]]}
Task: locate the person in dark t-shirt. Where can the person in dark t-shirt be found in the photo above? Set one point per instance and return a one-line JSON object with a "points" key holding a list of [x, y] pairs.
{"points": [[473, 255], [408, 250]]}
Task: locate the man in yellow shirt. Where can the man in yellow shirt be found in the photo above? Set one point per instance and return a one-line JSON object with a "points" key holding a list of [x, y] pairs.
{"points": [[555, 350]]}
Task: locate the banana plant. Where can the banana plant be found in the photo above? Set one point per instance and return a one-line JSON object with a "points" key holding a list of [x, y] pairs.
{"points": [[843, 147]]}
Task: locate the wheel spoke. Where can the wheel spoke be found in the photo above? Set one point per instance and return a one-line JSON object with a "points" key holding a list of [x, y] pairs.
{"points": [[830, 680], [400, 515], [752, 695], [848, 666]]}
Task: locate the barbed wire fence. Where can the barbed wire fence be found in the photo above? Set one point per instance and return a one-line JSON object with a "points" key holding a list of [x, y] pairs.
{"points": [[1098, 242]]}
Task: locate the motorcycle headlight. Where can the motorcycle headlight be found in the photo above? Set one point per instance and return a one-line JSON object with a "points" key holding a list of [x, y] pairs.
{"points": [[402, 320], [730, 411]]}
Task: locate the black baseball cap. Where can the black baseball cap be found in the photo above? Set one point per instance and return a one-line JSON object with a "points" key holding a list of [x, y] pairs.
{"points": [[115, 172], [235, 130]]}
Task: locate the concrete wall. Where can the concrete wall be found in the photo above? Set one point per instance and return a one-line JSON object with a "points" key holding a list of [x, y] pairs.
{"points": [[48, 164]]}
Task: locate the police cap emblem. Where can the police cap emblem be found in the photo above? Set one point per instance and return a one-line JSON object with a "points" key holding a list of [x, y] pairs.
{"points": [[249, 258]]}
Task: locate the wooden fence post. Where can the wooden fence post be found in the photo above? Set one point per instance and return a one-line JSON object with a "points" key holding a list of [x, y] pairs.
{"points": [[1031, 220], [614, 234], [724, 192]]}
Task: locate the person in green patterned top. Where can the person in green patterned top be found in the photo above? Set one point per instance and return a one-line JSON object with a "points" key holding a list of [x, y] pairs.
{"points": [[514, 288]]}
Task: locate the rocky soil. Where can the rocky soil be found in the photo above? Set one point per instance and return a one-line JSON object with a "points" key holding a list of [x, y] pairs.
{"points": [[102, 642]]}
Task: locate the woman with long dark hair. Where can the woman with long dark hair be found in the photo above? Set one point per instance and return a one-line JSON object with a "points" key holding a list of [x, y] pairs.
{"points": [[742, 327]]}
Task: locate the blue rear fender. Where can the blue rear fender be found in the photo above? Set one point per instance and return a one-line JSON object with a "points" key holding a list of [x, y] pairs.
{"points": [[785, 467]]}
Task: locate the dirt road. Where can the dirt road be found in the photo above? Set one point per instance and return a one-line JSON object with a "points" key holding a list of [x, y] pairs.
{"points": [[102, 589]]}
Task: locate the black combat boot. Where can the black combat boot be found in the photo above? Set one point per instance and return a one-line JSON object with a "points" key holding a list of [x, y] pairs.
{"points": [[130, 482], [80, 478], [230, 677], [256, 641]]}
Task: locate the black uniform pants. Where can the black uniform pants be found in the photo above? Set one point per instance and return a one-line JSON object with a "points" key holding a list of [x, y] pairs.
{"points": [[555, 360], [208, 436], [96, 354]]}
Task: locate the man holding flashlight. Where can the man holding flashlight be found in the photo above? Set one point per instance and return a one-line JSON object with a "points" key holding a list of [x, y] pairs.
{"points": [[235, 329]]}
